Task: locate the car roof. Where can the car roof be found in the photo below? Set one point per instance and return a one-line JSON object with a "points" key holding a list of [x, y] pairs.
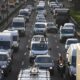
{"points": [[72, 39], [67, 28], [69, 24]]}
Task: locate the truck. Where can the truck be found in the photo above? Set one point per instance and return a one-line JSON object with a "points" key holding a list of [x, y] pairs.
{"points": [[11, 3], [62, 16], [78, 63], [33, 73]]}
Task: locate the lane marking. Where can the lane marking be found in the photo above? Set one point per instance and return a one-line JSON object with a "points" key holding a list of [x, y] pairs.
{"points": [[28, 40], [27, 46], [57, 47], [25, 53], [22, 63]]}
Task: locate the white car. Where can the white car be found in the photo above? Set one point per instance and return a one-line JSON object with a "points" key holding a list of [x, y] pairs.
{"points": [[71, 41], [40, 28], [66, 32], [38, 47], [44, 62]]}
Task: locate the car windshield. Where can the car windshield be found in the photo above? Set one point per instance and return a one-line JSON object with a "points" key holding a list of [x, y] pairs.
{"points": [[24, 13], [39, 46], [4, 44], [72, 42], [67, 31], [43, 60], [40, 8], [14, 38], [73, 61], [18, 24], [39, 25]]}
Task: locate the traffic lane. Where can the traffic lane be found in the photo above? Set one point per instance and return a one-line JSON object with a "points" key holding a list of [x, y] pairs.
{"points": [[29, 29], [56, 46], [19, 59]]}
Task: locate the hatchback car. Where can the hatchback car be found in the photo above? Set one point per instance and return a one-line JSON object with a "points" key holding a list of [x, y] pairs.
{"points": [[51, 27], [44, 62], [71, 41]]}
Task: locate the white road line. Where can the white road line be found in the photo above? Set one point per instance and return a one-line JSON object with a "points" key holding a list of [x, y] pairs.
{"points": [[25, 53], [27, 46], [22, 62], [28, 40], [57, 47], [56, 41]]}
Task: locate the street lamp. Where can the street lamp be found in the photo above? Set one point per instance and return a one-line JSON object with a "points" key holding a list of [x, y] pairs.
{"points": [[7, 11]]}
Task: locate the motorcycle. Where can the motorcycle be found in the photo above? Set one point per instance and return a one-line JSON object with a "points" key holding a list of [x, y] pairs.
{"points": [[61, 69]]}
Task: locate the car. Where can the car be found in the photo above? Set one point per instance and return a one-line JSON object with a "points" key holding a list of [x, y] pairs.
{"points": [[39, 46], [66, 32], [51, 27], [41, 19], [19, 23], [70, 41], [44, 62], [40, 28], [41, 9], [5, 62]]}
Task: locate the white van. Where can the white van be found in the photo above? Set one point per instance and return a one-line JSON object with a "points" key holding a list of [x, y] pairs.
{"points": [[6, 42], [25, 12], [18, 23], [15, 36], [71, 59], [41, 9]]}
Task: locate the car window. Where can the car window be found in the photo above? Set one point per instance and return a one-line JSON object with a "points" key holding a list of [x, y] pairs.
{"points": [[39, 47], [43, 60]]}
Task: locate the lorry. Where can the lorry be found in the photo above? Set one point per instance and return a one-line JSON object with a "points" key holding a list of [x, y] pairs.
{"points": [[33, 73], [11, 3], [62, 16]]}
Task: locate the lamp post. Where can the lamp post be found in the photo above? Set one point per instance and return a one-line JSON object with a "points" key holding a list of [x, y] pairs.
{"points": [[7, 11]]}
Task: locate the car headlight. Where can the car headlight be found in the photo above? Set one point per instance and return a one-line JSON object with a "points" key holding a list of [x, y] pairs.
{"points": [[50, 68], [3, 66]]}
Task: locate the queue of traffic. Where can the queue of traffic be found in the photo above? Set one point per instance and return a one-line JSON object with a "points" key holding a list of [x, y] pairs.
{"points": [[42, 64]]}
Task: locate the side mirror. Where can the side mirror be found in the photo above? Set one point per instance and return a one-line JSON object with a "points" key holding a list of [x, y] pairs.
{"points": [[9, 59]]}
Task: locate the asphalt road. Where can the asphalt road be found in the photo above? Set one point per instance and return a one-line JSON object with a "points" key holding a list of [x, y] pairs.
{"points": [[21, 59]]}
